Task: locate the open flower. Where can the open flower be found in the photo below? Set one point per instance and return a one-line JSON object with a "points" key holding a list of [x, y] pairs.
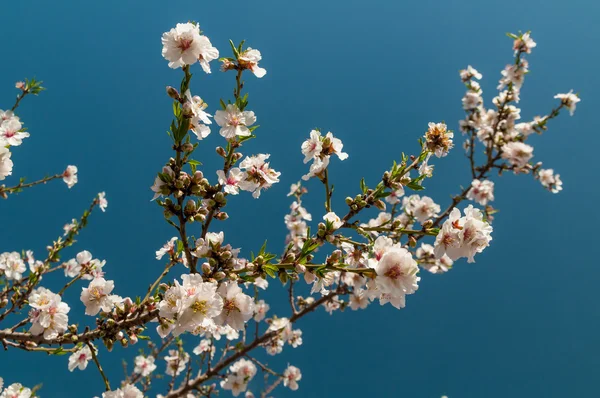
{"points": [[234, 122]]}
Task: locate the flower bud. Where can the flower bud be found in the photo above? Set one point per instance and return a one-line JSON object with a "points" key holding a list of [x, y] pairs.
{"points": [[283, 276], [187, 147], [300, 268], [220, 275], [412, 242], [233, 276], [349, 201], [428, 224], [206, 269], [221, 216], [221, 151], [380, 205], [172, 92]]}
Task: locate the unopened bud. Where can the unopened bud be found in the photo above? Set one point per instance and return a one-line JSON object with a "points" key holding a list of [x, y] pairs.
{"points": [[428, 224], [300, 268], [187, 147], [221, 216], [220, 275], [172, 92], [283, 276], [379, 204], [412, 242], [349, 201], [206, 268], [221, 151]]}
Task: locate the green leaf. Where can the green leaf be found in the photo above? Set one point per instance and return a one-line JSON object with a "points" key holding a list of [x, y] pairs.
{"points": [[235, 50]]}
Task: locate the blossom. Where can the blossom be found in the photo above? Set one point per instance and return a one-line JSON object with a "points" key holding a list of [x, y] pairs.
{"points": [[126, 391], [422, 208], [199, 118], [160, 187], [524, 44], [6, 164], [231, 182], [102, 202], [359, 299], [49, 314], [312, 147], [234, 382], [260, 310], [238, 307], [425, 255], [397, 272], [517, 153], [317, 167], [258, 174], [70, 176], [200, 302], [97, 296], [333, 218], [425, 168], [168, 247], [291, 376], [12, 265], [249, 59], [332, 145], [11, 134], [469, 73], [184, 45], [80, 358], [569, 100], [144, 365], [234, 122], [16, 390], [394, 197], [176, 362], [481, 191], [463, 236], [205, 245], [439, 139], [550, 180]]}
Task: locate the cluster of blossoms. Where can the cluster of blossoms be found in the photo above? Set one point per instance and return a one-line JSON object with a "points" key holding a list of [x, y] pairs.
{"points": [[199, 306], [481, 192], [15, 390], [463, 236], [49, 313], [285, 334], [12, 266], [85, 265], [380, 262], [498, 129], [318, 149], [240, 374]]}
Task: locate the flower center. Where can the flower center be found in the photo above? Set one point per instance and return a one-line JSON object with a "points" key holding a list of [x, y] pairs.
{"points": [[394, 272], [200, 306]]}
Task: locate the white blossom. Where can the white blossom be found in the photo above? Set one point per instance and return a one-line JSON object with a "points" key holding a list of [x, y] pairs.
{"points": [[144, 365], [97, 296], [6, 165], [234, 122], [291, 376], [80, 358], [70, 176]]}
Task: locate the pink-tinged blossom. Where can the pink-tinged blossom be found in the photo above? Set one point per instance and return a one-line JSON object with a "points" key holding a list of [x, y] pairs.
{"points": [[463, 236], [291, 376], [231, 182], [70, 176], [481, 192], [469, 73], [550, 180], [312, 147], [16, 390], [524, 44], [260, 310], [397, 272], [49, 314], [11, 134], [422, 208], [234, 122], [80, 358], [168, 247], [176, 362], [6, 164], [12, 265], [258, 174], [184, 45], [144, 365], [102, 202], [317, 167], [517, 154]]}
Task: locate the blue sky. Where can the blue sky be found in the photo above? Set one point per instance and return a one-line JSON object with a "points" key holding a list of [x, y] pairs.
{"points": [[521, 322]]}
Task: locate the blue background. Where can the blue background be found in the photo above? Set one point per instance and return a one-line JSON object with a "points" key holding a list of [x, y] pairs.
{"points": [[521, 322]]}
